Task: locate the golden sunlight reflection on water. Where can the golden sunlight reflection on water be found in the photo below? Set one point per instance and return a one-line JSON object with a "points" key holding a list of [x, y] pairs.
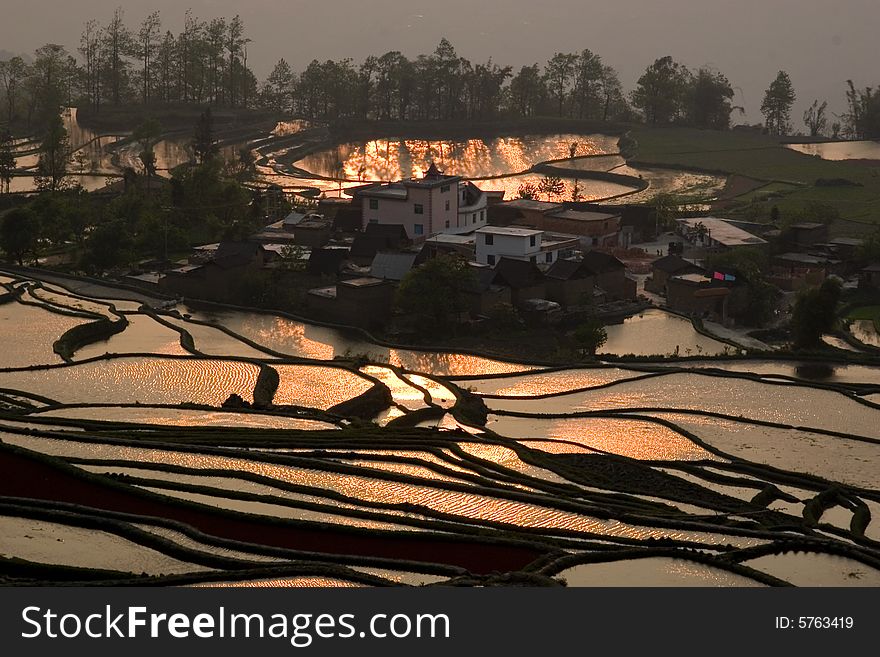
{"points": [[632, 438], [295, 338], [402, 393], [144, 380], [545, 383], [470, 505], [783, 403], [317, 387], [394, 159]]}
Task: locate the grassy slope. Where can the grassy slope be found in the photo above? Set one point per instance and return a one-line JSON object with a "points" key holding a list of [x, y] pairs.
{"points": [[871, 313], [762, 157]]}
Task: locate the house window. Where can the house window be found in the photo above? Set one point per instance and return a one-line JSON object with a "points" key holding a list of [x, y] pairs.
{"points": [[447, 206], [482, 214], [447, 223], [418, 229], [444, 189], [534, 260], [374, 204], [474, 219], [490, 240], [549, 257], [532, 241], [419, 208], [490, 259]]}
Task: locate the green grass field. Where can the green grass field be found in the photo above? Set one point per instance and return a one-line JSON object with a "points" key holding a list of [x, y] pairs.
{"points": [[762, 157], [871, 313]]}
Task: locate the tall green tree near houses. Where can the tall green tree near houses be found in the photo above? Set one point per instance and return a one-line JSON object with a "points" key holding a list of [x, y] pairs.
{"points": [[13, 74], [54, 156], [49, 78], [590, 337], [660, 92], [815, 313], [19, 230], [709, 100], [117, 44], [147, 134], [587, 97], [559, 75], [146, 48], [526, 91], [203, 144], [434, 294], [776, 107]]}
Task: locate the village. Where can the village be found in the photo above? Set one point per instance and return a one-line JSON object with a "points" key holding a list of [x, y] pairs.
{"points": [[543, 263]]}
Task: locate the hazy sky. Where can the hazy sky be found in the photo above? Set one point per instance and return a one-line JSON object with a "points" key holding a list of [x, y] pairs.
{"points": [[821, 43]]}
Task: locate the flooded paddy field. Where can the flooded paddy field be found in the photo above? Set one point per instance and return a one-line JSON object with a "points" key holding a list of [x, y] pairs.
{"points": [[253, 455], [841, 150]]}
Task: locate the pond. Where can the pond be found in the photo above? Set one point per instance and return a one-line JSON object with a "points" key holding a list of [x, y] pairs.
{"points": [[392, 159], [317, 387], [295, 338], [580, 189], [840, 150], [655, 332], [33, 331], [690, 185], [494, 164], [545, 383], [153, 415], [99, 158], [142, 335], [634, 439], [144, 380], [815, 371]]}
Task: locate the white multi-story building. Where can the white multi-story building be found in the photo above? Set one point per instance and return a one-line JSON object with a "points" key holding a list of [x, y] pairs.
{"points": [[496, 242], [424, 206]]}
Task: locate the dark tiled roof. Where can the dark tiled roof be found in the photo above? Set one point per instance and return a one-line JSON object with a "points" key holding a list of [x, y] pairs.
{"points": [[672, 264], [395, 234], [326, 261], [566, 269], [367, 246], [599, 262], [517, 273], [392, 266], [236, 254], [348, 219]]}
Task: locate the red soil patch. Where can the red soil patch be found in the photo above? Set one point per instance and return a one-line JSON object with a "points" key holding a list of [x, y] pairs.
{"points": [[25, 477]]}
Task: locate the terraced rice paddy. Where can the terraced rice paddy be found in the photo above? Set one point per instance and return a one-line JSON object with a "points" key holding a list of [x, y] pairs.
{"points": [[270, 454]]}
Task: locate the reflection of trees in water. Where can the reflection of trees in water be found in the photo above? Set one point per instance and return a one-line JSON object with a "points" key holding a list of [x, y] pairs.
{"points": [[395, 158]]}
